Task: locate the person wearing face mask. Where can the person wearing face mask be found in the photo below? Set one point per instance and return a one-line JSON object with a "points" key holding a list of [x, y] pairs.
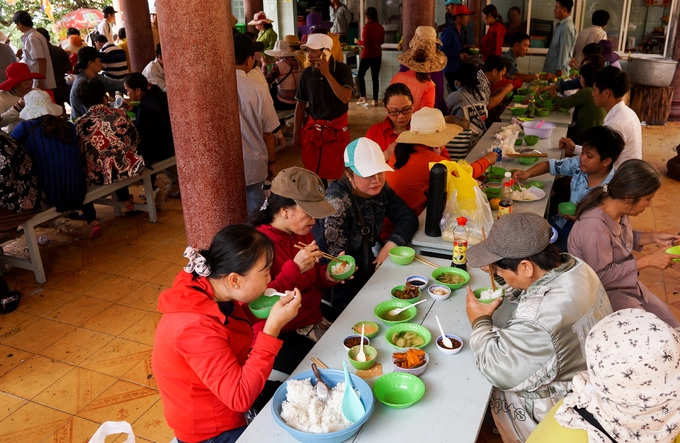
{"points": [[362, 200], [287, 216]]}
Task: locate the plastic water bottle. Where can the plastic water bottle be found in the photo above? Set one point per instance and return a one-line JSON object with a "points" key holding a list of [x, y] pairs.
{"points": [[505, 205], [460, 242], [118, 102]]}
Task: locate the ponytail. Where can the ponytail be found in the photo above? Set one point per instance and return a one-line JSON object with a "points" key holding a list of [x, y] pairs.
{"points": [[402, 153]]}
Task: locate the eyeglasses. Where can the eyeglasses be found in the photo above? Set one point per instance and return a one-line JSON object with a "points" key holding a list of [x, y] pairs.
{"points": [[403, 112]]}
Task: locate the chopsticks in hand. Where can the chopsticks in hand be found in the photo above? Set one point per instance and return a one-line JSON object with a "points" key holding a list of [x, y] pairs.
{"points": [[490, 266], [301, 245]]}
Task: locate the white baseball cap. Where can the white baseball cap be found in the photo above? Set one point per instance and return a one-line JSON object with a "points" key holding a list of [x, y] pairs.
{"points": [[365, 158], [318, 41]]}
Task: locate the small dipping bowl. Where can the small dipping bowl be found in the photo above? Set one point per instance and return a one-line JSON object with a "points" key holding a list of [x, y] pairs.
{"points": [[518, 142], [370, 352], [413, 371], [457, 344], [439, 292], [347, 274], [402, 288], [531, 140], [478, 293], [371, 328], [354, 340], [402, 255]]}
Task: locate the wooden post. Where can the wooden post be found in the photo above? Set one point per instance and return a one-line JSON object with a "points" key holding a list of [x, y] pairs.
{"points": [[651, 104]]}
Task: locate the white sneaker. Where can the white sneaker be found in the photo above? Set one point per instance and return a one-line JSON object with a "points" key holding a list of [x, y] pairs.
{"points": [[374, 103], [361, 101]]}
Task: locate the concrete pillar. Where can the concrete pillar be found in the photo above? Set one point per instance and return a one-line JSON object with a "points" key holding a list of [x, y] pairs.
{"points": [[252, 7], [416, 13], [201, 86], [139, 36]]}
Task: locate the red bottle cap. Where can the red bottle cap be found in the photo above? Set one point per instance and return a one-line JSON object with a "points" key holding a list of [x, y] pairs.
{"points": [[461, 221]]}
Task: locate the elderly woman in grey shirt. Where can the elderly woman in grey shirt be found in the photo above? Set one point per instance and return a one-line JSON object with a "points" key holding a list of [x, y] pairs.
{"points": [[603, 237]]}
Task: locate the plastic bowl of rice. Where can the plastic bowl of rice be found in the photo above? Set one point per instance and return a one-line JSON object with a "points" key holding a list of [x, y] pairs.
{"points": [[302, 401], [342, 268], [487, 295]]}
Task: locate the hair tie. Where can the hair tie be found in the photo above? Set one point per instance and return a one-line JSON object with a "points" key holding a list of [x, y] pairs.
{"points": [[264, 204], [196, 262], [605, 188]]}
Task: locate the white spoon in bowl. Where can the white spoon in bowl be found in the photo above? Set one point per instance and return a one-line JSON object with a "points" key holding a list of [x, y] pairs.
{"points": [[397, 311], [445, 340], [271, 292], [360, 355]]}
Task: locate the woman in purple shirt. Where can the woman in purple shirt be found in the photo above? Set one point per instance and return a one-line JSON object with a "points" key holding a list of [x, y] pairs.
{"points": [[603, 237]]}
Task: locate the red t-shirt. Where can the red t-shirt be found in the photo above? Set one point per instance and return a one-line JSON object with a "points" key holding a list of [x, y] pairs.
{"points": [[492, 42], [372, 38], [382, 133]]}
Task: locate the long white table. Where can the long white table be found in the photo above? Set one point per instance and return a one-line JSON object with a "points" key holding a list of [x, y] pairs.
{"points": [[423, 243], [558, 117], [456, 392]]}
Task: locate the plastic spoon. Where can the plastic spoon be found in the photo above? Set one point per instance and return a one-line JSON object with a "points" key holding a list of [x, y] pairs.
{"points": [[271, 292], [540, 124], [360, 355], [352, 408], [397, 311], [322, 390], [445, 340]]}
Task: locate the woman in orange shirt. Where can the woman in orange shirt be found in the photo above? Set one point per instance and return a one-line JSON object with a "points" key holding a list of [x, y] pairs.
{"points": [[421, 59]]}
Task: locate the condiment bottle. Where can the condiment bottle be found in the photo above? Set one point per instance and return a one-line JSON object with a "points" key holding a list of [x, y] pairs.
{"points": [[118, 101], [531, 109], [460, 242], [505, 205]]}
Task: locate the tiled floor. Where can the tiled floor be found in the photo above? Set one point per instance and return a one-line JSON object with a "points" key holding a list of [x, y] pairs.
{"points": [[77, 351]]}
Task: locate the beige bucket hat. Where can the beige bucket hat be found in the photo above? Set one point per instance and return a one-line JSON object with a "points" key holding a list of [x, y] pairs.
{"points": [[429, 128]]}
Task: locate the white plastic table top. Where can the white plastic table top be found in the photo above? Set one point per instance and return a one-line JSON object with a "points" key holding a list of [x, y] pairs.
{"points": [[456, 392], [423, 243], [558, 117]]}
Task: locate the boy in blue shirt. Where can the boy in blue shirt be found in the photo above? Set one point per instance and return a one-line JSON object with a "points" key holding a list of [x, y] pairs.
{"points": [[594, 167]]}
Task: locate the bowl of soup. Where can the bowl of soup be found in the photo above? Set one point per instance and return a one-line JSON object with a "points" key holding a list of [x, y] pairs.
{"points": [[453, 278]]}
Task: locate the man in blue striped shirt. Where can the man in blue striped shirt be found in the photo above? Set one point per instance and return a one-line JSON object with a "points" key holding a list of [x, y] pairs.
{"points": [[113, 58]]}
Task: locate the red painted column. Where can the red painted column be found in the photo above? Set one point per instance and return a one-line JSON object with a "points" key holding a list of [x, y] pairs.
{"points": [[252, 7], [138, 31], [675, 103], [416, 13], [201, 84]]}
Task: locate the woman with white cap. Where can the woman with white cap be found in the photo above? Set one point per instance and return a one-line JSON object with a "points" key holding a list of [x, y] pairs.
{"points": [[362, 200], [285, 72], [631, 390], [286, 218]]}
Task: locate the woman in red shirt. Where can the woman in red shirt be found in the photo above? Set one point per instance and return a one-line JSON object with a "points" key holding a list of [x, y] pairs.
{"points": [[492, 42], [398, 103], [286, 218], [208, 368], [372, 38]]}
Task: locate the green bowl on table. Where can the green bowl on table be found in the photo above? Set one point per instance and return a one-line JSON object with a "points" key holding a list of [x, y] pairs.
{"points": [[371, 354], [536, 184], [565, 110], [478, 293], [349, 267], [495, 173], [518, 142], [547, 104], [408, 335], [402, 255], [262, 306], [492, 193], [528, 160], [524, 91], [531, 140], [518, 98], [403, 288], [542, 112], [398, 390], [518, 112], [509, 94], [371, 328], [383, 308], [675, 250], [474, 50], [453, 278], [567, 208]]}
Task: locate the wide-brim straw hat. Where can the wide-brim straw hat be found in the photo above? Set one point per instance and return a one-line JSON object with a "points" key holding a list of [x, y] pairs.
{"points": [[281, 49], [39, 103], [423, 56], [259, 18], [427, 33], [429, 128], [293, 41]]}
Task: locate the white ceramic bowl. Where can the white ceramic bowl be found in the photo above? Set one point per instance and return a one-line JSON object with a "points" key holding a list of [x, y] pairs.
{"points": [[446, 292], [419, 281], [415, 371], [447, 350], [358, 336]]}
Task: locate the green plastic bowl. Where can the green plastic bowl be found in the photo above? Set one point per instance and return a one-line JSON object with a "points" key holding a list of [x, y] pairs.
{"points": [[403, 327], [524, 91], [543, 112], [347, 274], [371, 354], [675, 250], [408, 300], [478, 292], [531, 140], [518, 112], [518, 142], [567, 208], [262, 306], [441, 271], [547, 104], [382, 308], [402, 255], [369, 324], [495, 173], [536, 184], [518, 98], [492, 193], [565, 110], [509, 94], [474, 50], [528, 160], [398, 390]]}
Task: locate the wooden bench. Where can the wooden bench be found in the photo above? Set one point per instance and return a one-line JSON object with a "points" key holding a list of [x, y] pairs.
{"points": [[98, 194]]}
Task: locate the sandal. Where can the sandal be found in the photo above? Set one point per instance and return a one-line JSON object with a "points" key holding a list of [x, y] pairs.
{"points": [[130, 204], [95, 230]]}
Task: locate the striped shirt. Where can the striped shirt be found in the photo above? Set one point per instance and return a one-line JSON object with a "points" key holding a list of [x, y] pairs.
{"points": [[114, 61]]}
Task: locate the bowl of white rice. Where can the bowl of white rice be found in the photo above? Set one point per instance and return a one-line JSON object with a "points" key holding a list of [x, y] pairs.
{"points": [[342, 268], [487, 295], [298, 410]]}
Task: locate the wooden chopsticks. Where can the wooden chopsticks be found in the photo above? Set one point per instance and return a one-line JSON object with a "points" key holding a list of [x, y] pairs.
{"points": [[490, 266], [318, 363], [301, 245], [423, 260]]}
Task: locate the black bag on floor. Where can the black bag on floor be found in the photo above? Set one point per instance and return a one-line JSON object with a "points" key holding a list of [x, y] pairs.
{"points": [[9, 300]]}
